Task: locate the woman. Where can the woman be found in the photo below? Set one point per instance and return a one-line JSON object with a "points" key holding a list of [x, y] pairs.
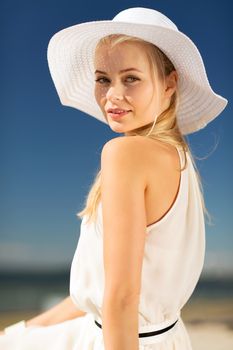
{"points": [[142, 239]]}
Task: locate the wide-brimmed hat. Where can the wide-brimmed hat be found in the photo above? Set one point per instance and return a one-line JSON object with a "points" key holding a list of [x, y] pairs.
{"points": [[71, 62]]}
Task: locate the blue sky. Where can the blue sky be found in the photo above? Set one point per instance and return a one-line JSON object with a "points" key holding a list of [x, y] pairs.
{"points": [[49, 153]]}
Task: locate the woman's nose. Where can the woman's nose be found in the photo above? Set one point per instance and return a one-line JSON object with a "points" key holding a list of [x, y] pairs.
{"points": [[114, 92]]}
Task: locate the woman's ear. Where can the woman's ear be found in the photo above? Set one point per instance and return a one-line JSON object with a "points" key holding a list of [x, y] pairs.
{"points": [[171, 83]]}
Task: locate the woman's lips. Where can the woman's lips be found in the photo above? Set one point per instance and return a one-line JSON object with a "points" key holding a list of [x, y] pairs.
{"points": [[117, 116]]}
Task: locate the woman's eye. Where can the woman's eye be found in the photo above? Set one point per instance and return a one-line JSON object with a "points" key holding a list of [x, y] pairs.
{"points": [[99, 80], [103, 80], [132, 78]]}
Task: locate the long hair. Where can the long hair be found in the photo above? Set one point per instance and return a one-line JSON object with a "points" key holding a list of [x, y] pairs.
{"points": [[165, 129]]}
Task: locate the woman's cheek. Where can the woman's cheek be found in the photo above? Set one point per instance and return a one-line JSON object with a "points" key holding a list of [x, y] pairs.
{"points": [[99, 95], [137, 90], [137, 96]]}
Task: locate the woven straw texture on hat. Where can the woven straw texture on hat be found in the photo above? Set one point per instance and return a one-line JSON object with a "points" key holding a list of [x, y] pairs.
{"points": [[71, 63]]}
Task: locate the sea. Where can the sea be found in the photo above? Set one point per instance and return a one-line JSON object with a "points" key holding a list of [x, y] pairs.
{"points": [[27, 291]]}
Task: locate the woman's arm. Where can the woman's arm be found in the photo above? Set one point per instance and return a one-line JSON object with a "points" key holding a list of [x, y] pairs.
{"points": [[63, 311], [123, 186]]}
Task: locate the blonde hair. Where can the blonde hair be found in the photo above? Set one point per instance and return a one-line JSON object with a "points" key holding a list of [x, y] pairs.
{"points": [[165, 129]]}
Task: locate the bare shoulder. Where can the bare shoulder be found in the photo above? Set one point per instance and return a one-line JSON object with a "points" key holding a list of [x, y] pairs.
{"points": [[124, 156], [143, 163], [141, 151], [136, 143], [128, 149], [126, 143]]}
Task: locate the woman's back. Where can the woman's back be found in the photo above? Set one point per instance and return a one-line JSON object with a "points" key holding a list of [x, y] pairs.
{"points": [[162, 168]]}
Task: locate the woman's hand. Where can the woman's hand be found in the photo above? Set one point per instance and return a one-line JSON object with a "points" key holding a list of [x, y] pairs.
{"points": [[63, 311], [2, 333]]}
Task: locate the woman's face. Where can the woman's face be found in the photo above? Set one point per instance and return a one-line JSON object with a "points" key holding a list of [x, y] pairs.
{"points": [[124, 81]]}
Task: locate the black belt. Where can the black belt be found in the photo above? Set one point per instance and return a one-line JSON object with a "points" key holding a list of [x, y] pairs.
{"points": [[148, 334]]}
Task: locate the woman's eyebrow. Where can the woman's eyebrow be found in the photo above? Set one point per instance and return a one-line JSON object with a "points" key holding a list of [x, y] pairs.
{"points": [[121, 71]]}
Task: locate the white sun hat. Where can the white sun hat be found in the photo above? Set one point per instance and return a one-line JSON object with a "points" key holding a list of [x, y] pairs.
{"points": [[71, 63]]}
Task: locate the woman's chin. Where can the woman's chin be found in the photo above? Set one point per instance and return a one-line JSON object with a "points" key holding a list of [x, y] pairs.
{"points": [[117, 127]]}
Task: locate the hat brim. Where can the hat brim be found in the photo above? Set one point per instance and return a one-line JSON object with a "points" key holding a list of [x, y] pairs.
{"points": [[71, 63]]}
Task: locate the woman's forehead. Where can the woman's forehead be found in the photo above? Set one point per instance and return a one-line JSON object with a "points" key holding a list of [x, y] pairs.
{"points": [[121, 54], [125, 46]]}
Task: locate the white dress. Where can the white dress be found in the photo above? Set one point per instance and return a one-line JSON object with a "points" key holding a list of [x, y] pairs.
{"points": [[173, 261]]}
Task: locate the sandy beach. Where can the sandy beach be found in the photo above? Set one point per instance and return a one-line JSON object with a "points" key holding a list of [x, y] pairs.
{"points": [[209, 323], [210, 336]]}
